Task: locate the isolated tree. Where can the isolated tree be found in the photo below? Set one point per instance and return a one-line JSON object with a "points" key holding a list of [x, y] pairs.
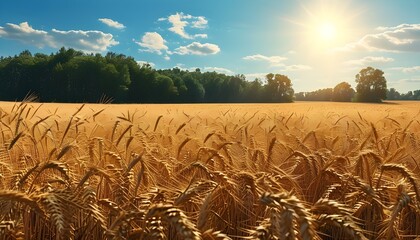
{"points": [[371, 85], [342, 92], [279, 88]]}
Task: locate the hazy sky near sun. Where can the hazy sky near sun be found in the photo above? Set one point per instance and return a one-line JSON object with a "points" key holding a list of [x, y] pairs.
{"points": [[317, 44]]}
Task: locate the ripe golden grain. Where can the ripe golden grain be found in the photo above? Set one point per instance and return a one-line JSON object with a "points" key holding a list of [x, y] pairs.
{"points": [[299, 171]]}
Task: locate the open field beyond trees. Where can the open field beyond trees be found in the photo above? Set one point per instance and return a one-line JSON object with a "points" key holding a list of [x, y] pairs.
{"points": [[316, 170]]}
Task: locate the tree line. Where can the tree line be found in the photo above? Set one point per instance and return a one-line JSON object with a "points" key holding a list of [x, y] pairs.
{"points": [[371, 87], [393, 94], [72, 76], [331, 94]]}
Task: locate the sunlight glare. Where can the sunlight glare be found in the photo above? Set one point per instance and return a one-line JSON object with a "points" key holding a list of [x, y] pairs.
{"points": [[327, 31], [325, 26]]}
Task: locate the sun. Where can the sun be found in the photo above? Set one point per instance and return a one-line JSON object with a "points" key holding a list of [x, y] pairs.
{"points": [[322, 26], [327, 31]]}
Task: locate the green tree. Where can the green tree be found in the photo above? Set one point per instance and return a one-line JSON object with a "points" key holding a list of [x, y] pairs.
{"points": [[393, 94], [232, 88], [324, 94], [342, 92], [195, 89], [279, 88], [416, 95], [17, 78], [164, 89], [253, 91], [142, 81], [371, 85]]}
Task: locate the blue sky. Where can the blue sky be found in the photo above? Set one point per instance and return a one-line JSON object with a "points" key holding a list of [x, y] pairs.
{"points": [[317, 44]]}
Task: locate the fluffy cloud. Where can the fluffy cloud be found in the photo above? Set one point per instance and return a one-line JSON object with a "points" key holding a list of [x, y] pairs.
{"points": [[219, 70], [368, 60], [197, 48], [180, 21], [26, 34], [89, 41], [205, 69], [153, 42], [141, 63], [200, 35], [272, 60], [253, 76], [200, 22], [402, 38], [178, 25], [112, 23]]}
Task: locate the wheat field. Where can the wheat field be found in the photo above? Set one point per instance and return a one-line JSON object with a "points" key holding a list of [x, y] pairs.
{"points": [[246, 171]]}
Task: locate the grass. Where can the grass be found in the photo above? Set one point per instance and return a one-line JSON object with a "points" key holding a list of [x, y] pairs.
{"points": [[286, 171]]}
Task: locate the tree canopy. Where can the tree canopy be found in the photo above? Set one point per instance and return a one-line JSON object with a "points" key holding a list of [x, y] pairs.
{"points": [[371, 85], [279, 88], [73, 76], [342, 92], [393, 94]]}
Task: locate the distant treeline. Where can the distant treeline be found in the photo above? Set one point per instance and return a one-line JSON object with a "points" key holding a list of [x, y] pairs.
{"points": [[328, 94], [393, 94], [72, 76]]}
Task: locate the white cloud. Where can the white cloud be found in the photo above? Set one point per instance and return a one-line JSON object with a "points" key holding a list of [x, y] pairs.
{"points": [[26, 34], [89, 41], [402, 38], [219, 70], [272, 60], [201, 22], [178, 25], [205, 69], [297, 67], [141, 63], [197, 48], [153, 42], [180, 21], [200, 35], [180, 66], [278, 62], [167, 58], [407, 69], [112, 23], [369, 60], [383, 28]]}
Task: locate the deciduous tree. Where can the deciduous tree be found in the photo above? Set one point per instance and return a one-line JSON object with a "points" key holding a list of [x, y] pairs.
{"points": [[371, 85]]}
